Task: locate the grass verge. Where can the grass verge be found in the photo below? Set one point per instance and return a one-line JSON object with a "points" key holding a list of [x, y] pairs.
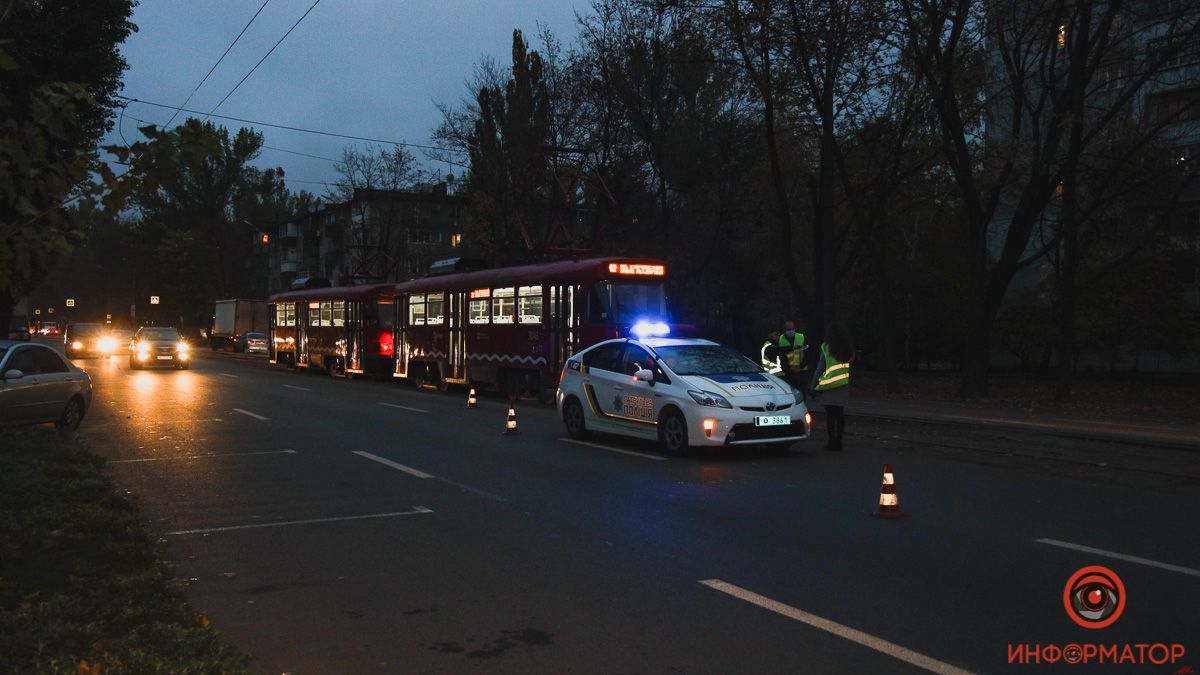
{"points": [[83, 588]]}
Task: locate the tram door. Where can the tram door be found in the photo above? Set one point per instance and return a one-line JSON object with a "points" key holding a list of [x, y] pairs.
{"points": [[354, 336], [563, 324], [271, 334], [455, 349], [401, 339], [302, 310]]}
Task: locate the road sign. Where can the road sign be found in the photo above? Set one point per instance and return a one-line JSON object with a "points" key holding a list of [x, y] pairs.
{"points": [[154, 299], [70, 302], [51, 310], [37, 311]]}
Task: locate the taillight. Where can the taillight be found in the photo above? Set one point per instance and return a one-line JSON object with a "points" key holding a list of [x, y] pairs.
{"points": [[386, 346]]}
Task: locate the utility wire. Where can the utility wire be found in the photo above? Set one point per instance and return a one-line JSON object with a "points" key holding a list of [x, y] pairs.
{"points": [[302, 130], [214, 66], [264, 58]]}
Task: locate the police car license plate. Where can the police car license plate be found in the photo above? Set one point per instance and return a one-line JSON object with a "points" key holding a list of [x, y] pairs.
{"points": [[772, 420], [165, 358]]}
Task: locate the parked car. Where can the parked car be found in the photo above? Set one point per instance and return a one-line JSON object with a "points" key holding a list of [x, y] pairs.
{"points": [[254, 343], [681, 391], [159, 346], [37, 384], [88, 339], [49, 329]]}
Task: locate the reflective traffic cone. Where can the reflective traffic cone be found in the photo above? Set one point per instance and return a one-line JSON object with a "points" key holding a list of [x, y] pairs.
{"points": [[889, 502], [510, 427], [471, 402]]}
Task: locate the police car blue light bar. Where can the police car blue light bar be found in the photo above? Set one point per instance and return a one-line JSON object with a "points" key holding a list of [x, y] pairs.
{"points": [[644, 329]]}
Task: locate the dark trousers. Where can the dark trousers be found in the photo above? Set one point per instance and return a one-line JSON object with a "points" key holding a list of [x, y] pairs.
{"points": [[835, 425]]}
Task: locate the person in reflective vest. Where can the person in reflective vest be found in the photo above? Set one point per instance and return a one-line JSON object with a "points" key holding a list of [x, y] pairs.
{"points": [[791, 355], [831, 382], [770, 354]]}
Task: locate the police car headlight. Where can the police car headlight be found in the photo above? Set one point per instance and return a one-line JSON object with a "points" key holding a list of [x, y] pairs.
{"points": [[797, 395], [710, 399]]}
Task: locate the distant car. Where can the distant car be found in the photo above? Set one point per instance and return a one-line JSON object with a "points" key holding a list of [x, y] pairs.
{"points": [[50, 328], [682, 391], [18, 328], [123, 339], [38, 385], [255, 343], [158, 346], [88, 339]]}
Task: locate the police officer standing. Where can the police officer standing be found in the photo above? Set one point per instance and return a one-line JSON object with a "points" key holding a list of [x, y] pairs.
{"points": [[791, 354], [770, 354]]}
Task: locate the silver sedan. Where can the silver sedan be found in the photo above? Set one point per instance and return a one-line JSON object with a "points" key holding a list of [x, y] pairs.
{"points": [[37, 384]]}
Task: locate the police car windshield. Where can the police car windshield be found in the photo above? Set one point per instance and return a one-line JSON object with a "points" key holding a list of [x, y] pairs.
{"points": [[705, 360]]}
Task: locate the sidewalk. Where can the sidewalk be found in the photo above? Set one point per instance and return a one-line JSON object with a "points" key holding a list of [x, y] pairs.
{"points": [[1159, 414]]}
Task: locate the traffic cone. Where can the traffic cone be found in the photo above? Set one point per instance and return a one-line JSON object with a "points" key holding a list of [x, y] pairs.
{"points": [[471, 402], [889, 502], [510, 427]]}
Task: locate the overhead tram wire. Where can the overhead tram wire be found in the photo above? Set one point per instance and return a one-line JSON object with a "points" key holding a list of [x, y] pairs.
{"points": [[214, 66], [264, 58], [300, 129]]}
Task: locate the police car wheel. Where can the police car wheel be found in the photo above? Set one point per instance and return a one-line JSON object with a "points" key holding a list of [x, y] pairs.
{"points": [[573, 419], [672, 433]]}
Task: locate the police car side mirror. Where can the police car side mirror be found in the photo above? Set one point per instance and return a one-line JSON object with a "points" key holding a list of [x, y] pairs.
{"points": [[14, 374], [645, 376]]}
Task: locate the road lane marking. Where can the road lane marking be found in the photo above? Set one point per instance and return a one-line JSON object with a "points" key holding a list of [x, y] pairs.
{"points": [[474, 491], [387, 462], [865, 639], [612, 449], [417, 510], [220, 454], [403, 407], [250, 414], [228, 375], [1121, 556], [292, 386]]}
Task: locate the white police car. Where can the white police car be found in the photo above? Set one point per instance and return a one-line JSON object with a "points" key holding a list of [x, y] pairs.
{"points": [[681, 391]]}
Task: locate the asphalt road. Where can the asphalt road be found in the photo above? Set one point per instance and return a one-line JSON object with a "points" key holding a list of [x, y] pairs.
{"points": [[334, 526]]}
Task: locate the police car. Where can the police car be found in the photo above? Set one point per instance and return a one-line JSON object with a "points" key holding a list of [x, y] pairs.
{"points": [[682, 391]]}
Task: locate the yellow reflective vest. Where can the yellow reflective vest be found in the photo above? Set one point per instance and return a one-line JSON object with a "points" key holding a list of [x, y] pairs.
{"points": [[793, 350], [837, 374], [770, 366]]}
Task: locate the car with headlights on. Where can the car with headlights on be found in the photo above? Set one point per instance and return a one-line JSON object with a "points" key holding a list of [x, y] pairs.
{"points": [[159, 346], [684, 392], [88, 339], [38, 385]]}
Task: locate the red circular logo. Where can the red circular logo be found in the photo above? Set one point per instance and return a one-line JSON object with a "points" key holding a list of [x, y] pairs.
{"points": [[1094, 597]]}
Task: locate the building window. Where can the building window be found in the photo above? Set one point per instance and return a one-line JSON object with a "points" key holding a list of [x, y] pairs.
{"points": [[503, 305], [435, 305], [1062, 35], [456, 240], [529, 304], [1173, 52], [1175, 106], [424, 235], [416, 310], [415, 266]]}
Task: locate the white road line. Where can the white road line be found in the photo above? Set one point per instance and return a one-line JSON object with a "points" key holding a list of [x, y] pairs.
{"points": [[403, 407], [865, 639], [387, 462], [611, 449], [292, 386], [250, 414], [417, 510], [1121, 556], [222, 454], [228, 375]]}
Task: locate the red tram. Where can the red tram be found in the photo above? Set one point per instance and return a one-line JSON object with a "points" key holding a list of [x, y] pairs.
{"points": [[345, 330], [514, 328]]}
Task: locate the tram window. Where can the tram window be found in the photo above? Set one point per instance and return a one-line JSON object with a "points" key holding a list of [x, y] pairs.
{"points": [[503, 305], [416, 310], [529, 304], [339, 313], [386, 313], [326, 313], [435, 309], [285, 314], [479, 311], [314, 314]]}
